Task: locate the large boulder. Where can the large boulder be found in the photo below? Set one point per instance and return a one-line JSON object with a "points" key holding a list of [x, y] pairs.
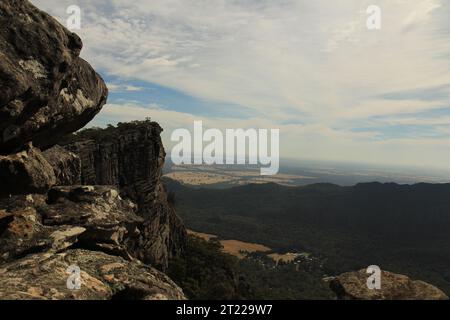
{"points": [[46, 90], [353, 286], [45, 276], [25, 172]]}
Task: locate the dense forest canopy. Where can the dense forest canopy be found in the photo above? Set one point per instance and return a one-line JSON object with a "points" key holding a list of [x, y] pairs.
{"points": [[401, 228]]}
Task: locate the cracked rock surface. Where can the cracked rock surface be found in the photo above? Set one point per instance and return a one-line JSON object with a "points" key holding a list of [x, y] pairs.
{"points": [[46, 89], [103, 277], [353, 286]]}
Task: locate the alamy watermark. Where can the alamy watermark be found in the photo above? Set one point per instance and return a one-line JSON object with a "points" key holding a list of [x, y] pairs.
{"points": [[74, 280], [374, 280], [373, 22], [236, 147], [73, 21]]}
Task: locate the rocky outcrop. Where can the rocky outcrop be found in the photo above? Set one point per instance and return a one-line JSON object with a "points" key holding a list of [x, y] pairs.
{"points": [[46, 90], [49, 222], [110, 222], [33, 171], [25, 172], [22, 233], [353, 286], [102, 277], [66, 166], [41, 236], [131, 157]]}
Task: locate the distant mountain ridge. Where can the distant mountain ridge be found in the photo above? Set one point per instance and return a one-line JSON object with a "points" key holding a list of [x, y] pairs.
{"points": [[327, 203]]}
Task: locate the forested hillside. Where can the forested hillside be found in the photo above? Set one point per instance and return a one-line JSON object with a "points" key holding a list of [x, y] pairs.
{"points": [[205, 272], [401, 228]]}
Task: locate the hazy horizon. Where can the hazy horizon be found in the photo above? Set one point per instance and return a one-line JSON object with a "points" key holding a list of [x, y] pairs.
{"points": [[335, 172]]}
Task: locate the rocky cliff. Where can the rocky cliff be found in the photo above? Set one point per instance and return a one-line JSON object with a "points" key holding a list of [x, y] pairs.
{"points": [[131, 157], [51, 224]]}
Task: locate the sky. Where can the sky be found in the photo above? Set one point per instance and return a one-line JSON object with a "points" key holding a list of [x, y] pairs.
{"points": [[311, 68]]}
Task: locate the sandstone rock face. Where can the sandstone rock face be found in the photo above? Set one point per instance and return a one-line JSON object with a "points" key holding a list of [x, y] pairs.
{"points": [[353, 285], [66, 166], [25, 172], [41, 236], [48, 220], [22, 233], [131, 157], [102, 277], [110, 222], [46, 90], [90, 217]]}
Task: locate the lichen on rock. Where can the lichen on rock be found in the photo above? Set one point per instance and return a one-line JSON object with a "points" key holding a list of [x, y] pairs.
{"points": [[353, 286], [39, 60], [43, 276]]}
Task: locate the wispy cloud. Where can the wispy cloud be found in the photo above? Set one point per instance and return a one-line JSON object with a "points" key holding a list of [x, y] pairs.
{"points": [[309, 67], [115, 87], [422, 11]]}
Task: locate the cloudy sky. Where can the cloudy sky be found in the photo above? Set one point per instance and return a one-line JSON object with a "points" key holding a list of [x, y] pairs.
{"points": [[336, 90]]}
